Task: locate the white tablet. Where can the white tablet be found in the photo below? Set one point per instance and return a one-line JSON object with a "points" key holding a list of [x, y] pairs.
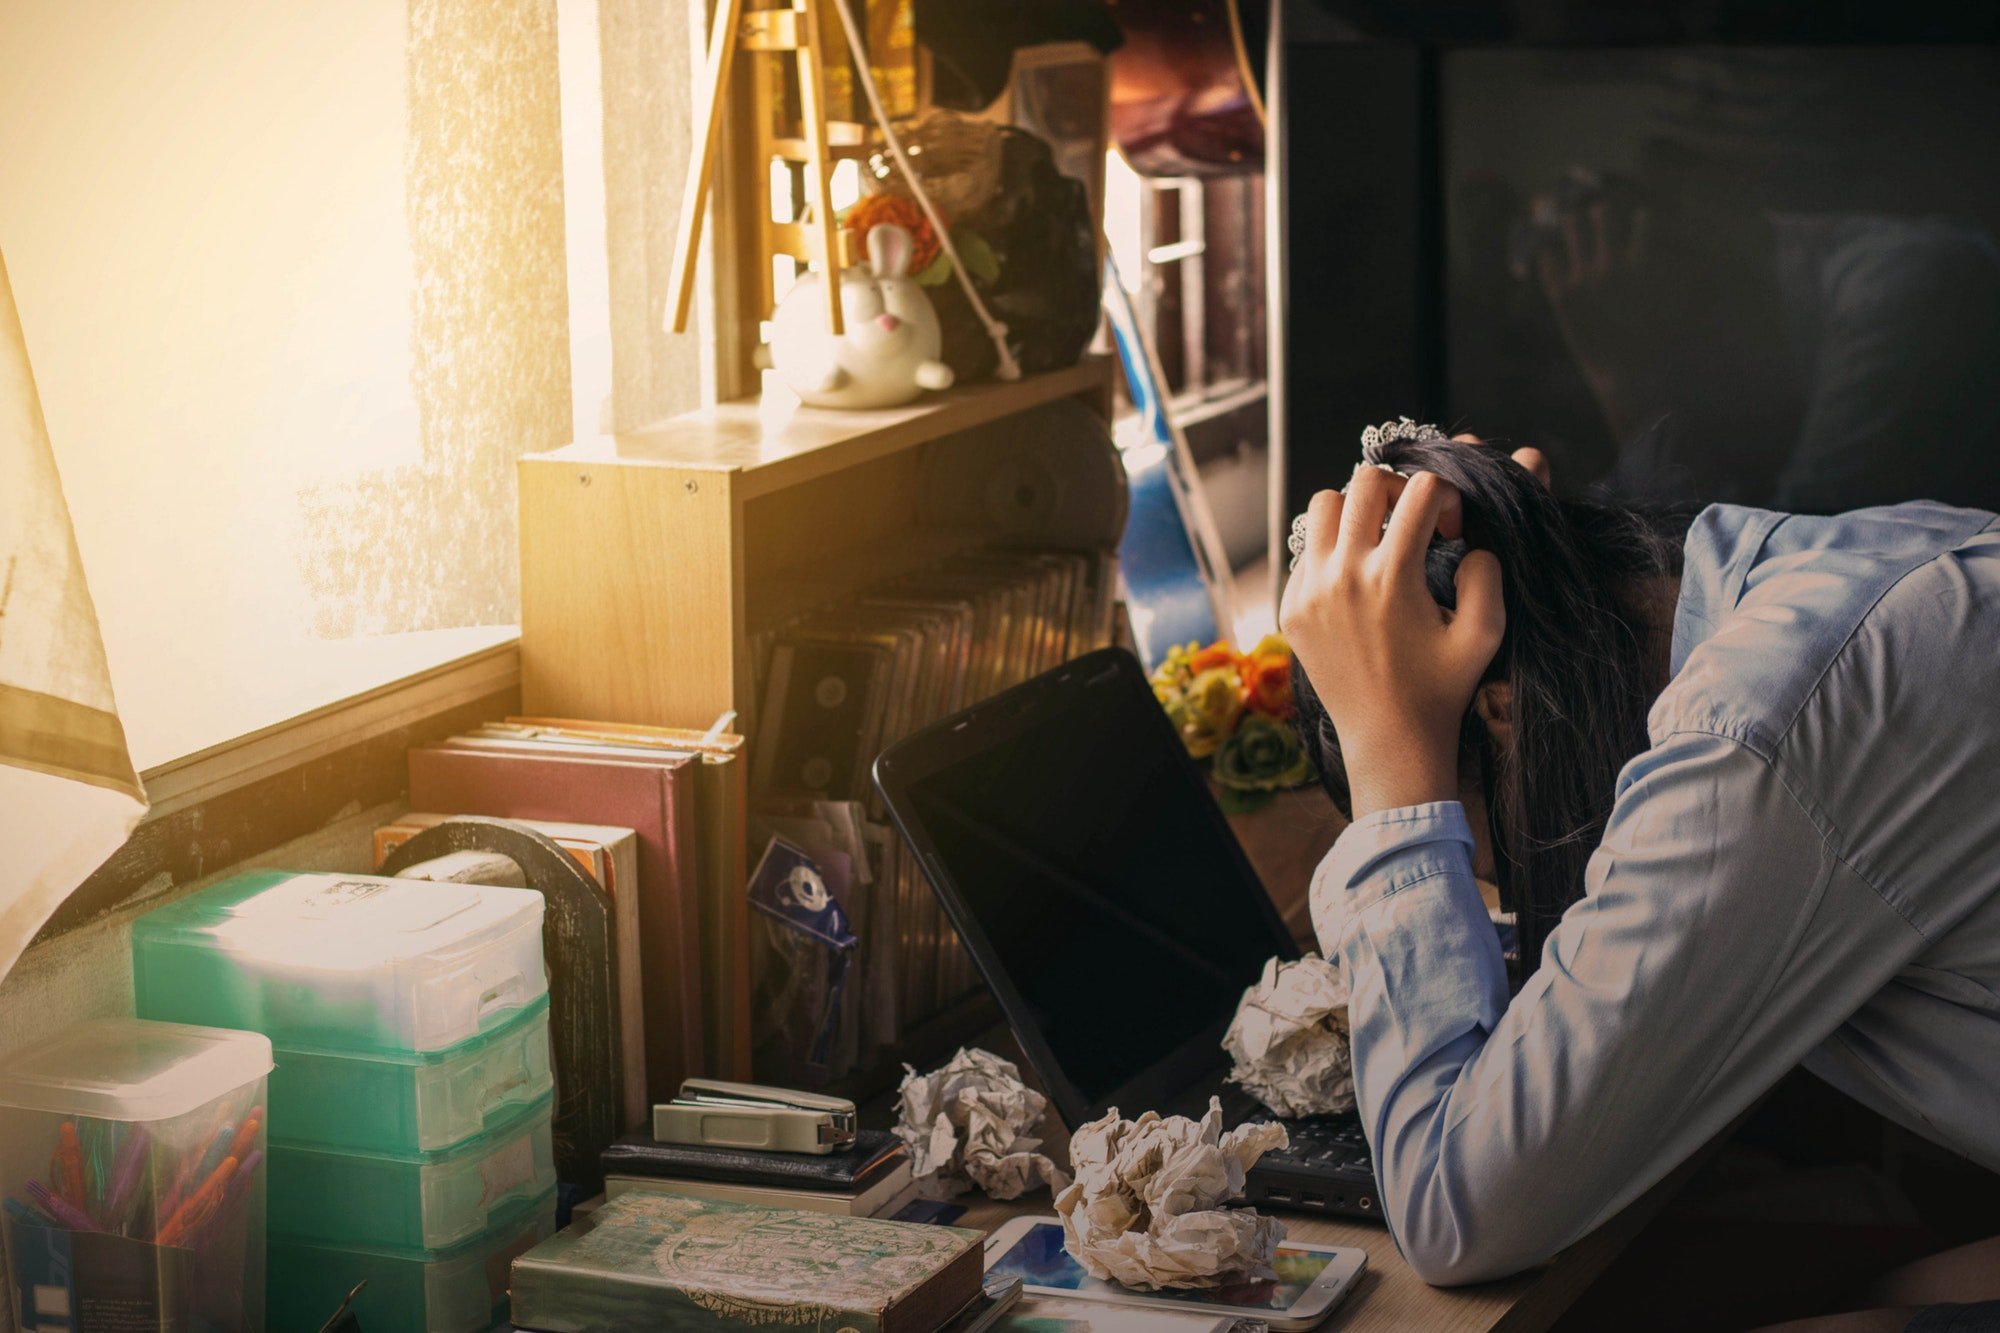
{"points": [[1311, 1278]]}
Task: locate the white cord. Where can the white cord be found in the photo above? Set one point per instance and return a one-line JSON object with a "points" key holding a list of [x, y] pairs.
{"points": [[1008, 369]]}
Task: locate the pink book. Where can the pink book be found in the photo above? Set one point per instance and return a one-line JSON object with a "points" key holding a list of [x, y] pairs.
{"points": [[655, 799]]}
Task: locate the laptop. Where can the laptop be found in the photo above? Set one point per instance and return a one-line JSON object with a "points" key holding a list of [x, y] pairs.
{"points": [[1079, 852]]}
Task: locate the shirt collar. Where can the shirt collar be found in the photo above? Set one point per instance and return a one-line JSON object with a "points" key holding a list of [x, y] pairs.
{"points": [[1721, 547]]}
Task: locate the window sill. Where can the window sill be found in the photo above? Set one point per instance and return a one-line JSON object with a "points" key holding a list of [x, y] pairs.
{"points": [[233, 801]]}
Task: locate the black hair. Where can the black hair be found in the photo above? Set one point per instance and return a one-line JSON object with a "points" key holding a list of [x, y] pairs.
{"points": [[1579, 653]]}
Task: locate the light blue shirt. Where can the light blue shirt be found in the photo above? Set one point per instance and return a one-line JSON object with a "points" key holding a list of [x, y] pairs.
{"points": [[1805, 867]]}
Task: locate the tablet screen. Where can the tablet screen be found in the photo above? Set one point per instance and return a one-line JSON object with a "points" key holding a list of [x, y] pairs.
{"points": [[1038, 1260]]}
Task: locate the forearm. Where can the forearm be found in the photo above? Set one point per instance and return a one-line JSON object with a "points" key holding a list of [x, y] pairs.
{"points": [[1396, 904]]}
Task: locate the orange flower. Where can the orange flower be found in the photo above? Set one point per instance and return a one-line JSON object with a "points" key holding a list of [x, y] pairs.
{"points": [[1267, 677], [1217, 654], [1267, 681], [872, 209]]}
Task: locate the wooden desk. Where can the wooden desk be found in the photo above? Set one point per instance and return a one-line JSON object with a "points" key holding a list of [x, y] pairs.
{"points": [[1391, 1297]]}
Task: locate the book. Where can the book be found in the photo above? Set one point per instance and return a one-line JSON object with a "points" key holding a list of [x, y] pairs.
{"points": [[645, 1261], [867, 1198], [611, 856], [655, 799], [721, 868], [640, 1154]]}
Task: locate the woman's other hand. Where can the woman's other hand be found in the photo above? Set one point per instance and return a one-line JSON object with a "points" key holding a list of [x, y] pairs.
{"points": [[1395, 670]]}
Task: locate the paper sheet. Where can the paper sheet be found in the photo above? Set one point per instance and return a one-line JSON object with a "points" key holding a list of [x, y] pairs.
{"points": [[969, 1123], [1146, 1208], [1289, 1039]]}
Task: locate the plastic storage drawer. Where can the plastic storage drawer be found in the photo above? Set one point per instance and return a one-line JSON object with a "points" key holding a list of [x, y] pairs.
{"points": [[416, 1102], [411, 1201], [459, 1290], [342, 962]]}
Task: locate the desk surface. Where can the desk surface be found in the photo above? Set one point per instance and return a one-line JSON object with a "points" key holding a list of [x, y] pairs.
{"points": [[1391, 1297]]}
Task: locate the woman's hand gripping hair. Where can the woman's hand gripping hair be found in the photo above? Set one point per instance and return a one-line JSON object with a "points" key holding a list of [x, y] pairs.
{"points": [[1394, 670]]}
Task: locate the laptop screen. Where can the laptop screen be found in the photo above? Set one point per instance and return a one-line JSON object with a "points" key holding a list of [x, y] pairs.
{"points": [[1109, 891]]}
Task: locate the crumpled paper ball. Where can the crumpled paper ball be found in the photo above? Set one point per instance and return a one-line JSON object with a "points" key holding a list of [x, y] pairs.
{"points": [[968, 1124], [1289, 1039], [1146, 1209]]}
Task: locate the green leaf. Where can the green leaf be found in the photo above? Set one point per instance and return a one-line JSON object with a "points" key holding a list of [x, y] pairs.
{"points": [[979, 259], [937, 272]]}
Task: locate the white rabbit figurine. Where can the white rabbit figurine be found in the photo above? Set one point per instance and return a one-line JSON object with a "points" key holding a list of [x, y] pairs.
{"points": [[889, 353]]}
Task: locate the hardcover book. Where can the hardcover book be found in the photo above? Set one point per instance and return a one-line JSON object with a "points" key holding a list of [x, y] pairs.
{"points": [[611, 857], [868, 1198], [656, 800], [640, 1154], [645, 1261]]}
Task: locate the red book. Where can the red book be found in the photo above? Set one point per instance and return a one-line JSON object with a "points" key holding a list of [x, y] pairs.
{"points": [[654, 797]]}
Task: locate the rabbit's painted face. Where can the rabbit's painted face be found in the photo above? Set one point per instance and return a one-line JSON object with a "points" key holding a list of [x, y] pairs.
{"points": [[879, 312]]}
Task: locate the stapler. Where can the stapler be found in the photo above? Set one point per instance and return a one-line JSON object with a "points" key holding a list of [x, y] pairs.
{"points": [[713, 1114]]}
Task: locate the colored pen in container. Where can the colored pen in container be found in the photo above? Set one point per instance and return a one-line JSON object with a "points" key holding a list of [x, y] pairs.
{"points": [[196, 1166], [66, 1166], [246, 1135], [62, 1210], [234, 1200], [127, 1169], [199, 1207]]}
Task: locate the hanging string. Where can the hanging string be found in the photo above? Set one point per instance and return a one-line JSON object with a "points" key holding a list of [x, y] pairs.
{"points": [[1008, 369]]}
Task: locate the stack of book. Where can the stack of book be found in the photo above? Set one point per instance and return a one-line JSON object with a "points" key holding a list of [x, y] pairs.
{"points": [[678, 889], [861, 1181], [838, 685]]}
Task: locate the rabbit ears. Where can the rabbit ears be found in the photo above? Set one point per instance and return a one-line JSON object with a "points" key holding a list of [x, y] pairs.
{"points": [[889, 250]]}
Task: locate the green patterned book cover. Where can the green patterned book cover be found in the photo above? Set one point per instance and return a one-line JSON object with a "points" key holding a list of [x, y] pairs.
{"points": [[651, 1261]]}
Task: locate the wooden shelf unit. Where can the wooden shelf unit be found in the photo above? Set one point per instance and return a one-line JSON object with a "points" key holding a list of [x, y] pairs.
{"points": [[649, 558]]}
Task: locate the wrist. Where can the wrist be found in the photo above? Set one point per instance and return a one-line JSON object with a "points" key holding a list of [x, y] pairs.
{"points": [[1389, 778]]}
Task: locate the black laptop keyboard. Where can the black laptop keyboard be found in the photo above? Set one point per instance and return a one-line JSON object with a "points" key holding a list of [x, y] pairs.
{"points": [[1326, 1142]]}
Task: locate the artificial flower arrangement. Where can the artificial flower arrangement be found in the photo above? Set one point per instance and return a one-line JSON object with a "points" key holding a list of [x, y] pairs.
{"points": [[1235, 711], [929, 264]]}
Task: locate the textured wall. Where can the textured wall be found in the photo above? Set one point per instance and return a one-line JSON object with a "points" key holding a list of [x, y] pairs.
{"points": [[434, 544], [649, 75]]}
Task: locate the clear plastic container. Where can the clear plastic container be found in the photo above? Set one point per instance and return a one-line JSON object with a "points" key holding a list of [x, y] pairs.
{"points": [[411, 1201], [342, 962], [132, 1166], [413, 1102], [459, 1290]]}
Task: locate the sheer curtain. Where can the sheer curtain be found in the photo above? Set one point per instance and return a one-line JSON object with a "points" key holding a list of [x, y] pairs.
{"points": [[68, 794]]}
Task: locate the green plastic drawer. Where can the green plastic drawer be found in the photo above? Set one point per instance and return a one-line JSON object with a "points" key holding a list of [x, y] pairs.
{"points": [[342, 962], [459, 1290], [410, 1201], [413, 1103]]}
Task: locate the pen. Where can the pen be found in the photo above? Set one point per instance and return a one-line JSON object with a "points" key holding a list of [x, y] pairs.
{"points": [[234, 1199], [215, 1150], [62, 1210], [66, 1167], [126, 1168], [195, 1167], [246, 1136], [199, 1205]]}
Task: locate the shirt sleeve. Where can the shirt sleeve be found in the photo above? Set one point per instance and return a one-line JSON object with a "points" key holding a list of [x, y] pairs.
{"points": [[1703, 963]]}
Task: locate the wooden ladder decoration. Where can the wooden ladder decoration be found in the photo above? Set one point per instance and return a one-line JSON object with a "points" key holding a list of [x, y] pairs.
{"points": [[792, 28]]}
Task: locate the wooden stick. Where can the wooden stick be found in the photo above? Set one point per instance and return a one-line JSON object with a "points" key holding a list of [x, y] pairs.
{"points": [[812, 105], [722, 41]]}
